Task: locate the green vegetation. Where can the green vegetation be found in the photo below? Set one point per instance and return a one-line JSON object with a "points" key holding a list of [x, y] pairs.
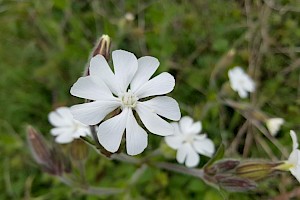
{"points": [[46, 44]]}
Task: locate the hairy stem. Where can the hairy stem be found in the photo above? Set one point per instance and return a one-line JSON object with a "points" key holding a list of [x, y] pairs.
{"points": [[181, 169]]}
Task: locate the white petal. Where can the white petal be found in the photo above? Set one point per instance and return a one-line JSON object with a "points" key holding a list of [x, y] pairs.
{"points": [[274, 124], [174, 141], [242, 93], [64, 138], [61, 130], [192, 159], [110, 132], [125, 66], [100, 68], [94, 112], [86, 87], [294, 139], [186, 154], [153, 122], [249, 84], [57, 120], [81, 132], [241, 82], [204, 146], [188, 126], [195, 128], [235, 72], [136, 137], [65, 112], [147, 65], [161, 84], [177, 130], [296, 173], [294, 157], [185, 123], [164, 106], [181, 154]]}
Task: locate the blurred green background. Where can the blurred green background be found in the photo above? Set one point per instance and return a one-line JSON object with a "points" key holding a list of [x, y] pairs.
{"points": [[44, 46]]}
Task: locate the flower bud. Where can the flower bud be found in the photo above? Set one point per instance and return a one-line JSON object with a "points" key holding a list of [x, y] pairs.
{"points": [[103, 47], [222, 166], [255, 170], [50, 159], [38, 147], [235, 184]]}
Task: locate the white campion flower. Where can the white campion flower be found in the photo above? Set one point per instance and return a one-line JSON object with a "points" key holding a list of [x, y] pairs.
{"points": [[126, 88], [66, 127], [293, 161], [241, 82], [274, 124], [188, 142]]}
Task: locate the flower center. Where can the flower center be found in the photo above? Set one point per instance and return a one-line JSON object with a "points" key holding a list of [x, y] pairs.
{"points": [[189, 138], [128, 99]]}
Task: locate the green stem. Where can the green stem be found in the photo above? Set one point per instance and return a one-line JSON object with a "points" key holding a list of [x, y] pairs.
{"points": [[199, 173], [99, 191]]}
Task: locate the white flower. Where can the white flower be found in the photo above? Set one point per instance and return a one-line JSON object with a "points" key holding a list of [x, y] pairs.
{"points": [[110, 91], [294, 158], [66, 127], [129, 16], [241, 82], [188, 142], [274, 124]]}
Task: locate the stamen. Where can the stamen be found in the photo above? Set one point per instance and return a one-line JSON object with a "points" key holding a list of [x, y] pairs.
{"points": [[128, 99]]}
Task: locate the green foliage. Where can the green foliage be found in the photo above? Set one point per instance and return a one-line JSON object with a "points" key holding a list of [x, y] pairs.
{"points": [[46, 44]]}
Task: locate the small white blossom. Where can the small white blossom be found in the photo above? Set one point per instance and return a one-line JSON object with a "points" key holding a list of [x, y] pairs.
{"points": [[66, 127], [294, 158], [241, 82], [126, 89], [274, 124], [188, 142], [129, 16]]}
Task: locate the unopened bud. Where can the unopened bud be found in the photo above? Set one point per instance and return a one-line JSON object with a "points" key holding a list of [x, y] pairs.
{"points": [[222, 166], [79, 150], [50, 159], [39, 148], [103, 47], [235, 184], [255, 170]]}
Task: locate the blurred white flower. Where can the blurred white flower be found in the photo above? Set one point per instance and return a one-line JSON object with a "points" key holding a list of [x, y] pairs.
{"points": [[66, 127], [188, 142], [129, 16], [294, 159], [241, 82], [110, 91], [274, 124]]}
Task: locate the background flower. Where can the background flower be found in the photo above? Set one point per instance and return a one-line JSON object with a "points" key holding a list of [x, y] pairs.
{"points": [[110, 91], [66, 127], [241, 82], [274, 124], [188, 142]]}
